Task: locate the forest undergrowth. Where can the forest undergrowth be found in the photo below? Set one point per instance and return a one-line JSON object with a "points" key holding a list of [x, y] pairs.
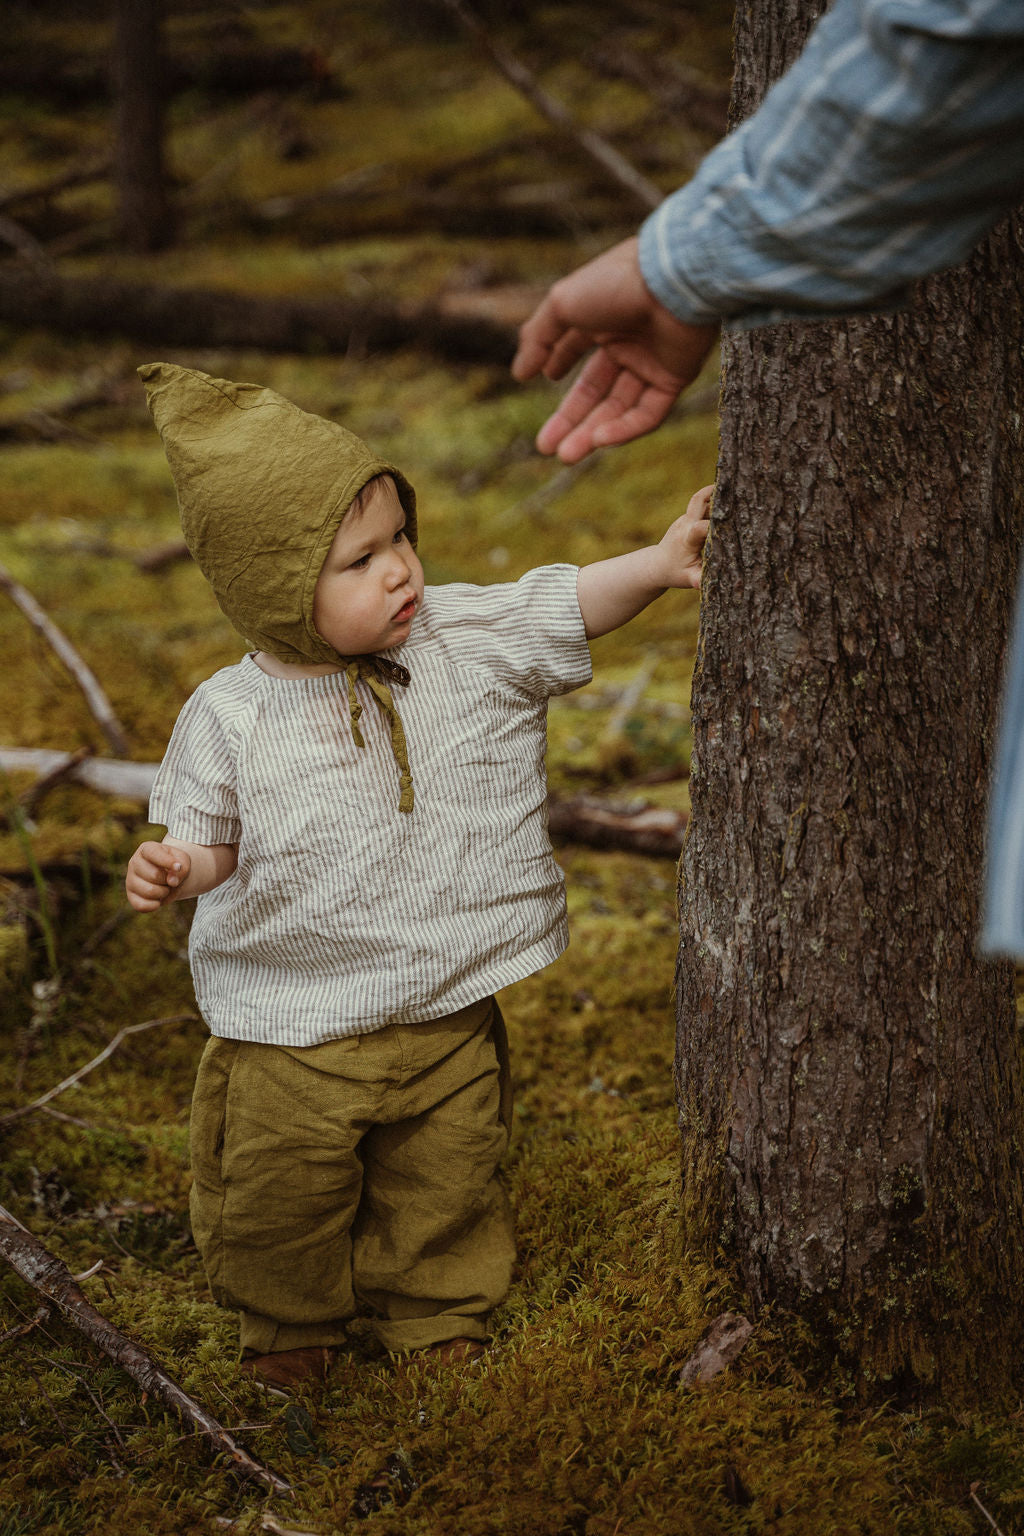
{"points": [[576, 1421]]}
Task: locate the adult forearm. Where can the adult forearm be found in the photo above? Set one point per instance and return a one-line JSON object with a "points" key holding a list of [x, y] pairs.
{"points": [[888, 149]]}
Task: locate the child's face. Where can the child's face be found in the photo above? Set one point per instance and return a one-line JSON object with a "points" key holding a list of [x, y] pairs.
{"points": [[371, 584]]}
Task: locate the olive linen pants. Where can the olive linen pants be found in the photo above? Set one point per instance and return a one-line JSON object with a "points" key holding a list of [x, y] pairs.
{"points": [[360, 1174]]}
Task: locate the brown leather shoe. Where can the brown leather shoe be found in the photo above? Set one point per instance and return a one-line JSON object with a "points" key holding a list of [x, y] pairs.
{"points": [[287, 1369]]}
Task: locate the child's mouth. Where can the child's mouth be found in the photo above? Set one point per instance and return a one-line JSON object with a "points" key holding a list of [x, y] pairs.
{"points": [[406, 612]]}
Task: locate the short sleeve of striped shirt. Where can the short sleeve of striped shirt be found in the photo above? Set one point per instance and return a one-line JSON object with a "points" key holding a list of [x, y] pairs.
{"points": [[194, 795], [529, 632]]}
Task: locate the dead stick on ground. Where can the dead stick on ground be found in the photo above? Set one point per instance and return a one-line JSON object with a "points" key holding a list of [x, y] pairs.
{"points": [[984, 1511], [608, 158], [83, 676], [45, 1273], [76, 1077], [33, 797], [39, 1316]]}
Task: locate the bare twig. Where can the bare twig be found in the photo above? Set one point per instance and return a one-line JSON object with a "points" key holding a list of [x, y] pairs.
{"points": [[40, 1315], [52, 422], [629, 699], [267, 1523], [47, 1275], [83, 676], [19, 239], [76, 176], [515, 71], [984, 1511], [56, 1114], [129, 781], [76, 1077], [32, 797], [161, 556]]}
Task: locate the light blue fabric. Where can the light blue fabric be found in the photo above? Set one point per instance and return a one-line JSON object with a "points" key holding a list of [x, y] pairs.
{"points": [[888, 149], [1002, 928]]}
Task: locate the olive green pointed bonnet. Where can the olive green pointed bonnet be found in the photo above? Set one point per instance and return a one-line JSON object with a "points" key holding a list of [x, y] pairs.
{"points": [[262, 489]]}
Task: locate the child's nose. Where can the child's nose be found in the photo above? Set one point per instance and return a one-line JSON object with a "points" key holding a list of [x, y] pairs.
{"points": [[399, 569]]}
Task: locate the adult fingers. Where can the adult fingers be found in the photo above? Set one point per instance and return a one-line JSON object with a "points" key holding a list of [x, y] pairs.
{"points": [[538, 336], [649, 412], [617, 420], [567, 351], [595, 384]]}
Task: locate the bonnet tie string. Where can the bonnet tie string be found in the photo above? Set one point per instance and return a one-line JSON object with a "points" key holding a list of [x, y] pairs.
{"points": [[377, 674]]}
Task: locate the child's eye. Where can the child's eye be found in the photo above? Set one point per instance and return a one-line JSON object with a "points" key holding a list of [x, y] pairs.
{"points": [[361, 563], [399, 536]]}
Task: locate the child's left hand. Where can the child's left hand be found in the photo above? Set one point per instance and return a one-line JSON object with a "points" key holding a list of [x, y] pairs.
{"points": [[682, 546]]}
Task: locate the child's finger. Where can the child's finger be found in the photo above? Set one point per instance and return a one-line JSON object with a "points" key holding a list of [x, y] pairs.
{"points": [[144, 895], [700, 501], [166, 858]]}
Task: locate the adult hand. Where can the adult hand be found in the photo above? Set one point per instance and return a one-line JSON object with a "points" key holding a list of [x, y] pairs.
{"points": [[645, 357]]}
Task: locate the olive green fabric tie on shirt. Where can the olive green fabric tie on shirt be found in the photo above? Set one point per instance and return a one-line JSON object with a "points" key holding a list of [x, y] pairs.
{"points": [[262, 489], [366, 667]]}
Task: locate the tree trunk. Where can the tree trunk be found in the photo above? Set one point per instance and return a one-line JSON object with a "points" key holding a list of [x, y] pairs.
{"points": [[144, 215], [848, 1082]]}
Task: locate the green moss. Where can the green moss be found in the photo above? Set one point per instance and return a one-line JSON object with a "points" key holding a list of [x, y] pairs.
{"points": [[575, 1423]]}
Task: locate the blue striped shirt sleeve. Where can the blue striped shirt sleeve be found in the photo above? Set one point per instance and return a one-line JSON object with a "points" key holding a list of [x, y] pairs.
{"points": [[886, 152]]}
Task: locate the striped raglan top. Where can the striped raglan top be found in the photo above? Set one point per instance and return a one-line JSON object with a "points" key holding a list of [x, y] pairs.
{"points": [[343, 914]]}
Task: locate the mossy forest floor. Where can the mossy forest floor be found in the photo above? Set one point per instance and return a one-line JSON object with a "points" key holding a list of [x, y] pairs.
{"points": [[575, 1422]]}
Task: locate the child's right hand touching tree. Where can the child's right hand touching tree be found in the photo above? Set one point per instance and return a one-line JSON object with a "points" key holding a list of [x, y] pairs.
{"points": [[612, 592], [172, 870]]}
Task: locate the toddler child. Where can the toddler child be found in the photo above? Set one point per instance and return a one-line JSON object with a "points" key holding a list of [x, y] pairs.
{"points": [[367, 877]]}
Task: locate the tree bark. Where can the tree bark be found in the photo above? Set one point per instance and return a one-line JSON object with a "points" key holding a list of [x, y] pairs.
{"points": [[144, 212], [848, 1080]]}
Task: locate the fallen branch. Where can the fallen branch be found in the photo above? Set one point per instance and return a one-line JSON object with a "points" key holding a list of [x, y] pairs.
{"points": [[646, 829], [32, 798], [51, 1278], [209, 318], [592, 144], [630, 697], [24, 242], [150, 561], [108, 776], [693, 100], [76, 1077], [77, 176], [634, 828], [52, 422], [97, 700], [974, 1495]]}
